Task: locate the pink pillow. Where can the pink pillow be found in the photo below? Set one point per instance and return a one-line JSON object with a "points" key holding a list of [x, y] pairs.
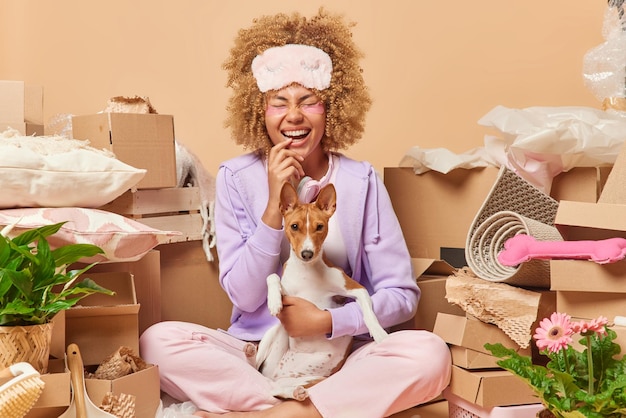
{"points": [[121, 238]]}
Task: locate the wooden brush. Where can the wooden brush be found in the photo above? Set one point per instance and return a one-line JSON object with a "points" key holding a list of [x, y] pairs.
{"points": [[19, 394]]}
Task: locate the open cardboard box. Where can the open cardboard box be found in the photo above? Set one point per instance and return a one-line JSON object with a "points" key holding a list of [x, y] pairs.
{"points": [[140, 140], [143, 385], [147, 281], [489, 388], [428, 205], [431, 276], [101, 324], [55, 398]]}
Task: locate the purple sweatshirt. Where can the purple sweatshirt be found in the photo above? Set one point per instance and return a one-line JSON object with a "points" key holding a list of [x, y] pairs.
{"points": [[249, 250]]}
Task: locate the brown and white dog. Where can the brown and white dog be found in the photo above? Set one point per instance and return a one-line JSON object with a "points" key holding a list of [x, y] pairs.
{"points": [[294, 364]]}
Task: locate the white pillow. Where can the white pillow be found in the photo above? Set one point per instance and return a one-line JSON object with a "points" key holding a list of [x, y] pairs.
{"points": [[121, 238], [55, 171]]}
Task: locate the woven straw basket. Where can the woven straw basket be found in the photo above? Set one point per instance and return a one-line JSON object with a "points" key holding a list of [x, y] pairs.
{"points": [[26, 343]]}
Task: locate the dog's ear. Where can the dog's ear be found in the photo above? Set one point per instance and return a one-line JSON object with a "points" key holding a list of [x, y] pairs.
{"points": [[327, 199], [288, 197]]}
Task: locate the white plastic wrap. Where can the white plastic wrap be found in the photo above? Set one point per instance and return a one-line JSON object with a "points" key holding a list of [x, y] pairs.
{"points": [[604, 66]]}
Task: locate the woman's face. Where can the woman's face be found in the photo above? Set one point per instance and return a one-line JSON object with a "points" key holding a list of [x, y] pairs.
{"points": [[296, 113]]}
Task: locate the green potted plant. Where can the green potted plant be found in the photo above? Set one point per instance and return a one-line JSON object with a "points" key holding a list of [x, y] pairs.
{"points": [[587, 383], [35, 284]]}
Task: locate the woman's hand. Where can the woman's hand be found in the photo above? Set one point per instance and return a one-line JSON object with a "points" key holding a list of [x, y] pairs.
{"points": [[283, 165], [302, 318]]}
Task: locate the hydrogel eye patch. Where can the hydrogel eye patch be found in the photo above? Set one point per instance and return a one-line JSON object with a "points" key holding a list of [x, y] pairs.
{"points": [[313, 109]]}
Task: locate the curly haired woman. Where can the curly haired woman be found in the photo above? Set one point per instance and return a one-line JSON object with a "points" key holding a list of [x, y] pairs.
{"points": [[298, 98]]}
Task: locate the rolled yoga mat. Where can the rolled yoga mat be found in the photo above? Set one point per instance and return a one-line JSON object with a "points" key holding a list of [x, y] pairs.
{"points": [[513, 206]]}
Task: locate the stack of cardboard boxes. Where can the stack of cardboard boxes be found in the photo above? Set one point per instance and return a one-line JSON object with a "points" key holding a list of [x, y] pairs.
{"points": [[435, 211], [585, 289], [177, 283], [100, 325], [21, 107]]}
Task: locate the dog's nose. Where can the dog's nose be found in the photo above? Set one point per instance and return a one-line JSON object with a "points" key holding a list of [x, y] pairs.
{"points": [[306, 254]]}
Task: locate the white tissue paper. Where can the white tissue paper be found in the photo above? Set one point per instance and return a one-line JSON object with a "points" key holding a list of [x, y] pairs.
{"points": [[537, 143]]}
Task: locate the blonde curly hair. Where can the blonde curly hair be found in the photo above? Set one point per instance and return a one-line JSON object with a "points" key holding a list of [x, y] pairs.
{"points": [[347, 100]]}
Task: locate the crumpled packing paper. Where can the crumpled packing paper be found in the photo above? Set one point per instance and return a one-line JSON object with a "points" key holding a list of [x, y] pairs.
{"points": [[537, 143], [510, 308]]}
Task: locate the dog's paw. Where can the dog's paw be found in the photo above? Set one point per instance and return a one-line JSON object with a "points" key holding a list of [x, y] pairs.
{"points": [[274, 294], [274, 305], [249, 350], [379, 334], [300, 393]]}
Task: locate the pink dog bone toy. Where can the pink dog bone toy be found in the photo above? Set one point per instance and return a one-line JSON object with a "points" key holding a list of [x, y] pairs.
{"points": [[521, 248]]}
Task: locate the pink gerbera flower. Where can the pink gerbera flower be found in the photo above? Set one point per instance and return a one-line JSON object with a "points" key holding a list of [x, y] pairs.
{"points": [[595, 325], [554, 333]]}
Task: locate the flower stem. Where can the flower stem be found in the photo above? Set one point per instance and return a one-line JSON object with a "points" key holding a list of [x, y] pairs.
{"points": [[589, 365], [565, 360]]}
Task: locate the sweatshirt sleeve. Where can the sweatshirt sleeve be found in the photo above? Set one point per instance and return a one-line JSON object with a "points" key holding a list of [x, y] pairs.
{"points": [[248, 252]]}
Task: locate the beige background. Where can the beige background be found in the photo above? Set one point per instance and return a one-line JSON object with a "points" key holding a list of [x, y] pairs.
{"points": [[434, 67]]}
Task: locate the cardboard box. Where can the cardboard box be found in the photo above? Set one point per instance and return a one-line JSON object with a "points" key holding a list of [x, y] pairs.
{"points": [[56, 395], [431, 276], [461, 408], [101, 324], [140, 140], [580, 184], [438, 409], [615, 190], [146, 274], [471, 333], [472, 359], [25, 129], [588, 276], [591, 304], [590, 221], [57, 343], [190, 286], [428, 205], [489, 388], [144, 385], [21, 103]]}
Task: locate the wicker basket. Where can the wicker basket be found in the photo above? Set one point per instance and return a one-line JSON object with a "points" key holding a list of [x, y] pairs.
{"points": [[26, 343], [522, 411], [461, 408]]}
